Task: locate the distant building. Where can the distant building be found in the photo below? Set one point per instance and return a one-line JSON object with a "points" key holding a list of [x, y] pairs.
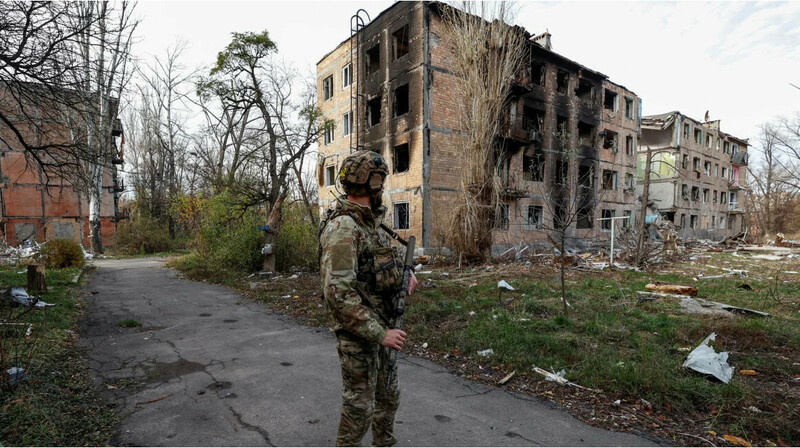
{"points": [[389, 89], [33, 207], [697, 174]]}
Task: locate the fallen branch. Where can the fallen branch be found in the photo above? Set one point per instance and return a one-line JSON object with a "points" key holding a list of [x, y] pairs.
{"points": [[139, 403]]}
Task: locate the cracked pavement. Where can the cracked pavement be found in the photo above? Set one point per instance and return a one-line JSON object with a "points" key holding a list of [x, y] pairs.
{"points": [[208, 367]]}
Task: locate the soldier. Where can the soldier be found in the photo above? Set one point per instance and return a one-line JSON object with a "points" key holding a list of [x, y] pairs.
{"points": [[361, 272]]}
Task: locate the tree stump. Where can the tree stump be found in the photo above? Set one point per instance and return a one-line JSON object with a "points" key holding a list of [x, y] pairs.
{"points": [[36, 279]]}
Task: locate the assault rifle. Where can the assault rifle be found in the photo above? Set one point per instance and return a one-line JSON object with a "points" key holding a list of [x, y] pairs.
{"points": [[400, 303]]}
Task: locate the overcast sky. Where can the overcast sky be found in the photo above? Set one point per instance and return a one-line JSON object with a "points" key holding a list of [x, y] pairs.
{"points": [[733, 59]]}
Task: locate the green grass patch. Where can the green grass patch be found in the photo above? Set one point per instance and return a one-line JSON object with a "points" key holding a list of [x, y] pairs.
{"points": [[129, 323]]}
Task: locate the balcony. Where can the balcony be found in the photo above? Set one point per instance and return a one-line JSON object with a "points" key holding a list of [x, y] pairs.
{"points": [[740, 158], [512, 187], [733, 207], [520, 129]]}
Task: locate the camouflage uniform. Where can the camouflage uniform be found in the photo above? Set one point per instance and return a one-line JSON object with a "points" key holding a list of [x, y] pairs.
{"points": [[359, 274]]}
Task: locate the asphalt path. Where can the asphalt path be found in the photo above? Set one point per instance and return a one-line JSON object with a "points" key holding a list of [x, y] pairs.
{"points": [[209, 367]]}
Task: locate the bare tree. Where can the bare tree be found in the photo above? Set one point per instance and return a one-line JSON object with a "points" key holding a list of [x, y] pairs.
{"points": [[486, 55]]}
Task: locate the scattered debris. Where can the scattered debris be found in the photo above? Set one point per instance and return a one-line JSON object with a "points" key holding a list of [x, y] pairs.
{"points": [[504, 286], [16, 295], [15, 375], [747, 372], [754, 409], [705, 360], [139, 403], [738, 441], [672, 289], [418, 267], [424, 345], [701, 306], [745, 286], [423, 259], [507, 377], [559, 378], [486, 352], [646, 295], [767, 257], [286, 297], [781, 241]]}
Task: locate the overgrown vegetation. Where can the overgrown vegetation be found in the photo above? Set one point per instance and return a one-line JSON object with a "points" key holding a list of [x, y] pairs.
{"points": [[63, 253], [57, 405], [143, 236]]}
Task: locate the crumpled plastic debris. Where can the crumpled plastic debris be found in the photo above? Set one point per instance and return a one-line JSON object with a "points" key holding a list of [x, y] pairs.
{"points": [[502, 284], [16, 295], [16, 375], [705, 360], [486, 352]]}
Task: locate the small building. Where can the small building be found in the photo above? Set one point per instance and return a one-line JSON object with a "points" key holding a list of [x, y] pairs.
{"points": [[697, 174]]}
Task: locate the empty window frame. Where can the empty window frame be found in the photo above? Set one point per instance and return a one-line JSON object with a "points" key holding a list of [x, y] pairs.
{"points": [[400, 42], [400, 219], [730, 223], [716, 170], [629, 182], [347, 75], [714, 197], [585, 134], [629, 145], [561, 172], [609, 180], [734, 148], [685, 162], [330, 175], [610, 101], [709, 141], [401, 100], [562, 82], [629, 108], [586, 178], [537, 73], [374, 111], [696, 164], [683, 220], [347, 124], [327, 88], [724, 172], [610, 140], [698, 136], [372, 59], [533, 165], [562, 132], [585, 91], [726, 147], [328, 134], [687, 130], [535, 217], [605, 223], [707, 168], [628, 214], [684, 191], [400, 158], [723, 197], [695, 193], [721, 222], [705, 195], [501, 217], [713, 221], [693, 221]]}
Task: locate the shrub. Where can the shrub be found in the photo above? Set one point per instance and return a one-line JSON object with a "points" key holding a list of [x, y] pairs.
{"points": [[143, 235], [63, 253], [297, 241], [227, 242]]}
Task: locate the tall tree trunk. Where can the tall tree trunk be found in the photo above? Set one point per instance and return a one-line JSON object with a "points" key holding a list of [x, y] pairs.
{"points": [[274, 221], [643, 214]]}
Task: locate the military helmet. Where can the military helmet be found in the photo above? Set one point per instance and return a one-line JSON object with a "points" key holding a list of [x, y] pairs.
{"points": [[363, 169]]}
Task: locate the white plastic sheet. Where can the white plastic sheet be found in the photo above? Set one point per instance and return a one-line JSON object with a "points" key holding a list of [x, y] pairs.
{"points": [[704, 359]]}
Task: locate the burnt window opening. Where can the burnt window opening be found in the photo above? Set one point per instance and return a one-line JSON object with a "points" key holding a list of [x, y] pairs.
{"points": [[537, 73], [610, 140], [535, 216], [698, 136], [685, 162], [374, 111], [560, 216], [584, 217], [373, 59], [400, 158], [400, 221], [501, 220], [683, 220], [629, 145], [610, 101], [562, 171], [400, 42], [684, 191], [585, 179], [330, 175], [401, 100], [585, 91], [562, 82], [605, 224], [609, 180], [693, 221], [562, 132], [585, 134], [533, 165], [695, 193], [534, 120], [629, 108], [327, 88]]}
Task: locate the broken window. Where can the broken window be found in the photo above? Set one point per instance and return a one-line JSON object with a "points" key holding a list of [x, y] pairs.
{"points": [[347, 124], [330, 175], [560, 216], [730, 223], [695, 193], [610, 100], [629, 108], [610, 140], [723, 197], [400, 42], [705, 195], [400, 158], [713, 221], [686, 131], [726, 148], [709, 141], [586, 178], [327, 88], [401, 100], [724, 172], [535, 216], [685, 162], [684, 191], [374, 111], [683, 220], [707, 168], [537, 73], [609, 180], [629, 145], [562, 132], [698, 136], [693, 221], [584, 217], [501, 217], [629, 219], [401, 215], [721, 222], [716, 170], [696, 164], [373, 59], [562, 171], [533, 164], [328, 135], [562, 82], [605, 223], [585, 134], [629, 185], [714, 196], [734, 148], [347, 75], [585, 91]]}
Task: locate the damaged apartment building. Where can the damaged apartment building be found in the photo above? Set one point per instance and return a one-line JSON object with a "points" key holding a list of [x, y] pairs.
{"points": [[697, 174], [388, 88], [38, 207]]}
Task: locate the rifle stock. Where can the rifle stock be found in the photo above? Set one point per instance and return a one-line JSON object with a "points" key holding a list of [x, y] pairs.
{"points": [[400, 304]]}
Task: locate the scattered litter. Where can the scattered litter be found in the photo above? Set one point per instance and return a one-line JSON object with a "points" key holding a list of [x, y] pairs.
{"points": [[736, 440], [646, 404], [700, 306], [424, 345], [747, 372], [745, 286], [767, 257], [16, 375], [672, 289], [486, 352], [445, 274], [507, 377], [754, 409], [705, 360], [418, 267], [293, 277], [559, 378], [425, 272], [286, 297], [791, 272], [503, 285], [618, 402], [489, 268], [16, 295], [472, 313]]}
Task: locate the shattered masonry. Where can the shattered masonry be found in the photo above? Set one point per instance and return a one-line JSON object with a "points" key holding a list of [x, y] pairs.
{"points": [[406, 110]]}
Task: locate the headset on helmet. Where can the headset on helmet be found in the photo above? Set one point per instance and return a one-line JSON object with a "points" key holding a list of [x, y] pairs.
{"points": [[363, 169]]}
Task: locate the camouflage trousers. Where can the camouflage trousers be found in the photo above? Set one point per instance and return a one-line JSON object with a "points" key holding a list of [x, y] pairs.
{"points": [[366, 401]]}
